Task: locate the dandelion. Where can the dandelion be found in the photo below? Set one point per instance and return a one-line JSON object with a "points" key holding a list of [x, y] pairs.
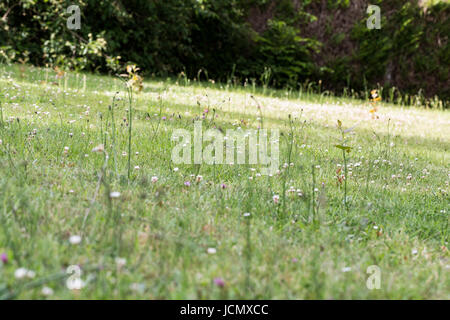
{"points": [[154, 179], [114, 194], [75, 239], [374, 99], [374, 94], [211, 250]]}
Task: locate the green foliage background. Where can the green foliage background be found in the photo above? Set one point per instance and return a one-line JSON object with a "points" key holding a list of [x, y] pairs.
{"points": [[270, 42]]}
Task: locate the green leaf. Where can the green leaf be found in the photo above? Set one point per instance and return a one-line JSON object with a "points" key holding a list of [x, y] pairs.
{"points": [[345, 148]]}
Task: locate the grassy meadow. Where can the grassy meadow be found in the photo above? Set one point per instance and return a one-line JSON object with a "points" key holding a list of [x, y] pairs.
{"points": [[75, 192]]}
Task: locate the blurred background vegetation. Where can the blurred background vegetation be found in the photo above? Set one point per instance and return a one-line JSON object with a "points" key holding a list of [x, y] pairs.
{"points": [[323, 45]]}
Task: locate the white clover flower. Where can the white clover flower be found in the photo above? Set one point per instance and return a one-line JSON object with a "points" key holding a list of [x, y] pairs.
{"points": [[276, 199], [20, 273], [99, 149], [46, 291], [138, 287], [75, 284], [114, 194], [23, 272], [120, 262], [75, 239]]}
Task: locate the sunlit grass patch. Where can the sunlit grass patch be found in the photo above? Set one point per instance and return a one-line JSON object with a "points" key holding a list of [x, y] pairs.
{"points": [[162, 232]]}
